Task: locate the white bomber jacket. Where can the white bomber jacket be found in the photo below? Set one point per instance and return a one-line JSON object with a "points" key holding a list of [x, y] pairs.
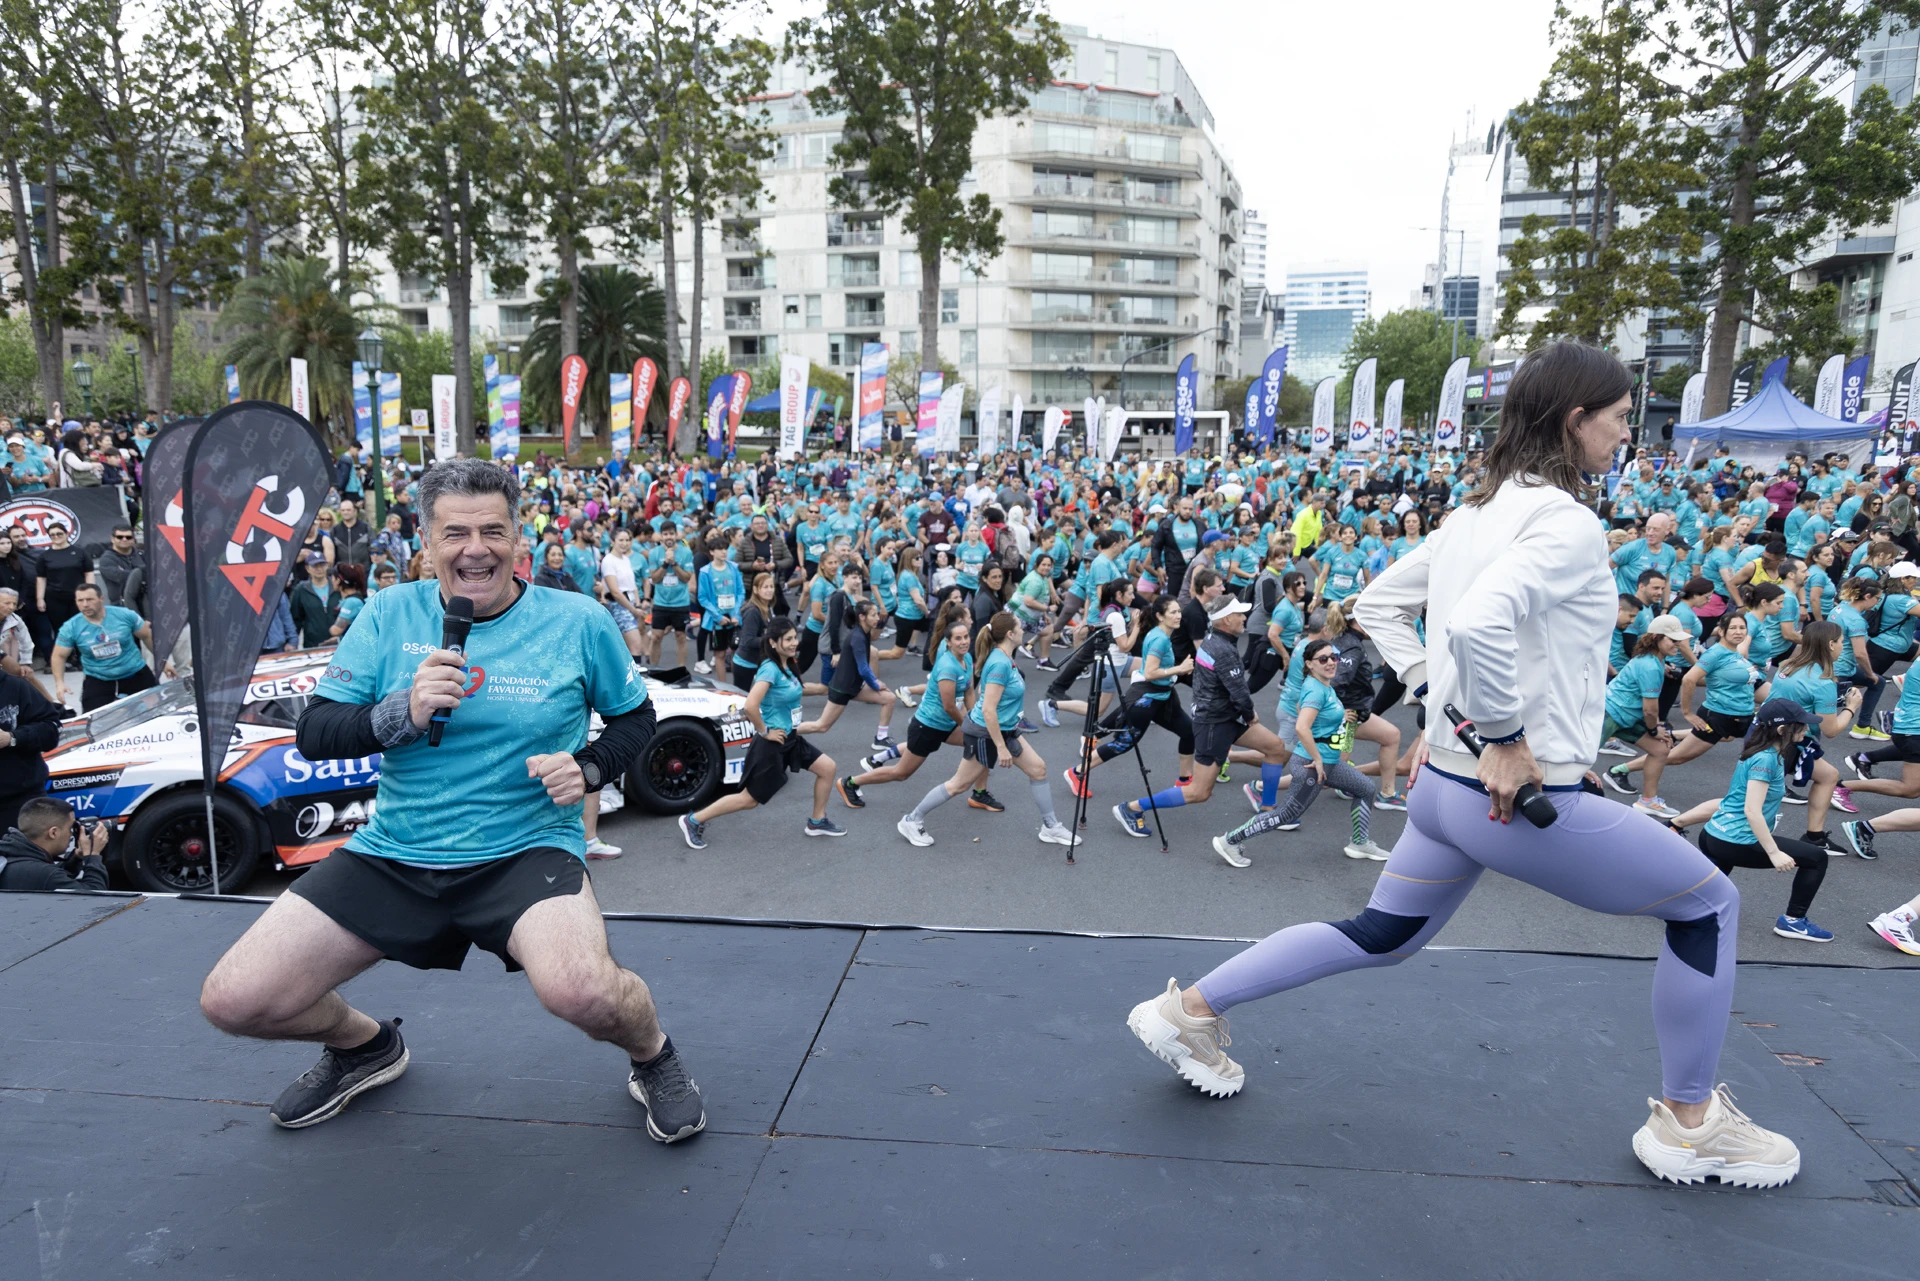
{"points": [[1520, 605]]}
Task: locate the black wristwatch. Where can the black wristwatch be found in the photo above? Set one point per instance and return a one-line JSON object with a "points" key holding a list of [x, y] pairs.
{"points": [[590, 772]]}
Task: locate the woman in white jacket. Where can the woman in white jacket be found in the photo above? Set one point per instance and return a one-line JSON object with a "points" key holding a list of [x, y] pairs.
{"points": [[1520, 603]]}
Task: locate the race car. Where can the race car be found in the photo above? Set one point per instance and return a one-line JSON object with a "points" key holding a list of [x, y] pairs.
{"points": [[135, 763]]}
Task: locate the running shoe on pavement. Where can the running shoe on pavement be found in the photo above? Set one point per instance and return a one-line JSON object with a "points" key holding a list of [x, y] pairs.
{"points": [[850, 793], [1077, 783], [1897, 930], [824, 827], [1056, 833], [326, 1088], [703, 667], [1227, 850], [1049, 714], [1366, 849], [914, 830], [1046, 665], [1252, 792], [1843, 799], [1860, 765], [1027, 727], [1859, 834], [599, 849], [1792, 797], [1656, 806], [1802, 928], [1133, 824], [1026, 652], [672, 1099], [982, 799], [1873, 732], [1727, 1146], [693, 831], [1396, 801], [881, 742], [1620, 780], [1225, 777], [1192, 1047], [1614, 747]]}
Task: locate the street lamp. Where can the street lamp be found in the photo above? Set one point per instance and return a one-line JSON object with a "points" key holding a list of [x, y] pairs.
{"points": [[373, 349], [139, 390], [83, 379]]}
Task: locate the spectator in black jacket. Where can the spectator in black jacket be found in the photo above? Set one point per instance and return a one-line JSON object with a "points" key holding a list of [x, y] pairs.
{"points": [[314, 604], [41, 855], [29, 725], [1177, 539]]}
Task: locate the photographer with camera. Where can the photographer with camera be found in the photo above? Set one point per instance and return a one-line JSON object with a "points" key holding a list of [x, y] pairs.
{"points": [[51, 851]]}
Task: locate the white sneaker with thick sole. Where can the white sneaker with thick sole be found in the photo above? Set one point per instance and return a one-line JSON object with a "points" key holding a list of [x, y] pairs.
{"points": [[914, 830], [1369, 850], [1227, 850], [1192, 1047], [1056, 833], [1727, 1146]]}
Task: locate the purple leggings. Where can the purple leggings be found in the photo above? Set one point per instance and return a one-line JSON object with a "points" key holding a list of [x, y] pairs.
{"points": [[1599, 854]]}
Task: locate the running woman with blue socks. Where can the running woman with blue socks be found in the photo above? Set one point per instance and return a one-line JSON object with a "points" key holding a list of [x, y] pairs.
{"points": [[1519, 604]]}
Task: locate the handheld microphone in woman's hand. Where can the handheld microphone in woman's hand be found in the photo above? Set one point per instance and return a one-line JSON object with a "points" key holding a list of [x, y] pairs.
{"points": [[1529, 800], [453, 635]]}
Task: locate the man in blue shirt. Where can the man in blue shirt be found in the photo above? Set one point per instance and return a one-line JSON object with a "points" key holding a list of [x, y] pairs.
{"points": [[477, 840]]}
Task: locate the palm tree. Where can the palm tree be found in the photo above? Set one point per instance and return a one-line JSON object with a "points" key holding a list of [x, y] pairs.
{"points": [[292, 310], [623, 316]]}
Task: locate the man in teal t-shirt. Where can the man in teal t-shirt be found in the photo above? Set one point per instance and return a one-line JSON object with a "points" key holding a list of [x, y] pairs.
{"points": [[476, 840], [107, 639]]}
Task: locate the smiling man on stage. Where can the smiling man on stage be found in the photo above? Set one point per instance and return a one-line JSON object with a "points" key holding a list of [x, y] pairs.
{"points": [[475, 841]]}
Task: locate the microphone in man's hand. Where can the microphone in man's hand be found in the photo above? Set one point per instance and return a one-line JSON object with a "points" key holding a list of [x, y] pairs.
{"points": [[1529, 800], [453, 636]]}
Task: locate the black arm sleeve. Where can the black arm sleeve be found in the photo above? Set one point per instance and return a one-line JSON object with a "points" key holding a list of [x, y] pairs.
{"points": [[623, 739], [330, 731]]}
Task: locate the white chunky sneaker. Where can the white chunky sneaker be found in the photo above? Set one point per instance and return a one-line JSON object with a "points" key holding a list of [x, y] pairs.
{"points": [[1727, 1146], [1192, 1047]]}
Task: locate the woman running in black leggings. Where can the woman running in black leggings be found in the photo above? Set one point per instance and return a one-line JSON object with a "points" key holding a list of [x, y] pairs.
{"points": [[1157, 701]]}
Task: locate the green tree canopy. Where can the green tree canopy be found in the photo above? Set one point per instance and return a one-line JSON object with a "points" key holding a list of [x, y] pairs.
{"points": [[622, 317], [292, 310], [1416, 345]]}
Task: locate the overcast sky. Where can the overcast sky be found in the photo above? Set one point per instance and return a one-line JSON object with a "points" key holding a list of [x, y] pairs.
{"points": [[1336, 116]]}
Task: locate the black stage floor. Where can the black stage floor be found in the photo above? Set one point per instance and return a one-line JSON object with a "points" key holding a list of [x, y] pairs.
{"points": [[895, 1103]]}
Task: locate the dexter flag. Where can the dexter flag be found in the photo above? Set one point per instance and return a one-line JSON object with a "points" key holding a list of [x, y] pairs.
{"points": [[679, 392], [162, 474], [737, 405], [1186, 394], [646, 376], [256, 474], [573, 385]]}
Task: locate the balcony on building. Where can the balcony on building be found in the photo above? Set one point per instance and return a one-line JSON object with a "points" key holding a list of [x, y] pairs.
{"points": [[846, 231], [741, 239], [516, 322], [853, 271], [866, 310], [742, 314], [418, 289], [750, 276]]}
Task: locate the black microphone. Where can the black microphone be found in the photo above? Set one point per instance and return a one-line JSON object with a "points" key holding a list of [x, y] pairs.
{"points": [[453, 635], [1529, 800]]}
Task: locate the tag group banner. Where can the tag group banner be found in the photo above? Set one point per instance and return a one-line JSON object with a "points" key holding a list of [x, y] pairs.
{"points": [[1776, 371], [794, 373], [1186, 398], [872, 394], [446, 435], [297, 380], [1115, 424], [620, 413], [926, 425]]}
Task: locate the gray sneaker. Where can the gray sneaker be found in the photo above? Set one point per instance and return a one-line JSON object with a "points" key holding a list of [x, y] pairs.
{"points": [[675, 1110], [824, 827], [1192, 1047], [329, 1085]]}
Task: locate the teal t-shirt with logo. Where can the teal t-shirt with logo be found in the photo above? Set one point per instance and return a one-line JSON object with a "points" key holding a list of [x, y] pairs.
{"points": [[1158, 645], [1729, 822], [999, 670], [782, 699], [535, 673], [109, 650], [932, 712]]}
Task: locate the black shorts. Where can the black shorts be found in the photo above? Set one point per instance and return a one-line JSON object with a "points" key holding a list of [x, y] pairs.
{"points": [[923, 740], [1908, 745], [95, 692], [977, 745], [428, 918], [905, 628], [1725, 728], [841, 697], [1212, 740], [670, 618], [722, 637], [769, 763]]}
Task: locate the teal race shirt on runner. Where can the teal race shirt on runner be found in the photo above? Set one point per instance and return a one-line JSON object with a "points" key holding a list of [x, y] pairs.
{"points": [[535, 672], [109, 650]]}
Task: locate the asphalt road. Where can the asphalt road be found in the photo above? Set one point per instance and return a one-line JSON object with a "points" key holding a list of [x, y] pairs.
{"points": [[989, 870]]}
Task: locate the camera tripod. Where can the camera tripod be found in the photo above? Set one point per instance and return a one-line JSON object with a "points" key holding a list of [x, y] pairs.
{"points": [[1102, 670]]}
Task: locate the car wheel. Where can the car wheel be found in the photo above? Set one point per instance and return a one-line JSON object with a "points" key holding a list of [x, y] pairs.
{"points": [[680, 770], [165, 849]]}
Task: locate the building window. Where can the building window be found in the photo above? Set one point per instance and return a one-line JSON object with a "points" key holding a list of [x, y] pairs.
{"points": [[813, 311], [949, 306], [1060, 222], [1064, 267], [1077, 140], [853, 230], [1153, 72], [909, 342], [790, 311], [748, 351], [844, 349], [750, 274], [1051, 307], [1142, 271], [1134, 309], [1150, 231], [860, 271], [866, 309], [909, 266], [1110, 67], [1062, 349], [817, 149], [516, 322], [741, 313], [969, 346]]}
